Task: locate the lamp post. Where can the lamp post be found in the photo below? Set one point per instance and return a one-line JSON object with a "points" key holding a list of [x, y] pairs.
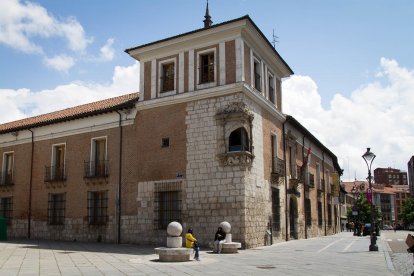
{"points": [[369, 158]]}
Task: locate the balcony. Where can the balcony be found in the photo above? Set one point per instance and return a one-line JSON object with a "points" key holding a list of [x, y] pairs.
{"points": [[55, 173], [6, 179], [96, 169], [278, 166]]}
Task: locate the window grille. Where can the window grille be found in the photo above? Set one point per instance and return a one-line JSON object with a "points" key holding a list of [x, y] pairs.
{"points": [[275, 210], [167, 77], [98, 207], [308, 212], [329, 214], [56, 209], [319, 213], [167, 203], [6, 208]]}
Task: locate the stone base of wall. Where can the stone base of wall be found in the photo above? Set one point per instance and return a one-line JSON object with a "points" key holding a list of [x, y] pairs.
{"points": [[72, 230]]}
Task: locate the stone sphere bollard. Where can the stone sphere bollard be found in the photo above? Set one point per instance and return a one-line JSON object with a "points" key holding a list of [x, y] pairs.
{"points": [[225, 226], [174, 229]]}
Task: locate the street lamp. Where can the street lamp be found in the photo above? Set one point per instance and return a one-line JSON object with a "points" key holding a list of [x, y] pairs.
{"points": [[369, 158]]}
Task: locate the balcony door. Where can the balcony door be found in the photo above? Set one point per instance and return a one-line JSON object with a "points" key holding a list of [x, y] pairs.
{"points": [[8, 167], [99, 157], [59, 162]]}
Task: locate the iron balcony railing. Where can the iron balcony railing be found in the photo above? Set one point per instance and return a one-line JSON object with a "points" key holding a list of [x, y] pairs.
{"points": [[6, 179], [55, 173], [94, 169], [278, 166]]}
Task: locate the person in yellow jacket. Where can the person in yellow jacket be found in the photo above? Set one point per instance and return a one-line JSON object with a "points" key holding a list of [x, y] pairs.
{"points": [[191, 242]]}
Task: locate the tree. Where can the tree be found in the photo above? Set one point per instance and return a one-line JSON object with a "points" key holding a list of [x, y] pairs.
{"points": [[364, 210], [407, 211]]}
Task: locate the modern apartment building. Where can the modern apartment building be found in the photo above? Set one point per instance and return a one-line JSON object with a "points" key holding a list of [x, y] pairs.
{"points": [[411, 175], [204, 141], [389, 176]]}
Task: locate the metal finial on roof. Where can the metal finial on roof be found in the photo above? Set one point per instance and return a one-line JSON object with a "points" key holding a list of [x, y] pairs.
{"points": [[207, 21]]}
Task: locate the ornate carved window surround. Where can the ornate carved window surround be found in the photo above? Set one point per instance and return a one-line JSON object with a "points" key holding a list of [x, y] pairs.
{"points": [[230, 118]]}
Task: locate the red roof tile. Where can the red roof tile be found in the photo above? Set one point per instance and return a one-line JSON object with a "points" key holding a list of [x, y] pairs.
{"points": [[72, 113]]}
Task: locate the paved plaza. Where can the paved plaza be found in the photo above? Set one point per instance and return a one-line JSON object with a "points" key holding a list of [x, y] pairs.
{"points": [[341, 254]]}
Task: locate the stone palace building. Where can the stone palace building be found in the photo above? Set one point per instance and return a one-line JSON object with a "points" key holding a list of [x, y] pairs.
{"points": [[204, 141]]}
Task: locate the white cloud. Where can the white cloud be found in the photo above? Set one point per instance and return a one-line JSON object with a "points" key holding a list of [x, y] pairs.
{"points": [[22, 22], [26, 103], [107, 52], [377, 115], [60, 63]]}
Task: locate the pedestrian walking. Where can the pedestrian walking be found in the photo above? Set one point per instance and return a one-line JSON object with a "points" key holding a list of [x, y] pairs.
{"points": [[191, 242]]}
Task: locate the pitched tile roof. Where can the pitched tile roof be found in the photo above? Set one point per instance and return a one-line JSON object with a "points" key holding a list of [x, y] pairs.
{"points": [[73, 113]]}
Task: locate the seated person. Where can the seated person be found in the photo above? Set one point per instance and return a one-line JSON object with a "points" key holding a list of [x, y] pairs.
{"points": [[191, 242], [219, 239]]}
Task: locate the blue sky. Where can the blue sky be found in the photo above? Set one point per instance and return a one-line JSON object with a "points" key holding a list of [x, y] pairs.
{"points": [[55, 54]]}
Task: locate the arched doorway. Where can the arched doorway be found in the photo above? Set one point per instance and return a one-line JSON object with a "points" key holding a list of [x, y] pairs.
{"points": [[293, 218]]}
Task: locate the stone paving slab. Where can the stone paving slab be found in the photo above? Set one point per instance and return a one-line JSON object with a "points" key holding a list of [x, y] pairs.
{"points": [[341, 254]]}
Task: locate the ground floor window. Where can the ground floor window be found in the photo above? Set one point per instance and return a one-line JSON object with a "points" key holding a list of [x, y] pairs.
{"points": [[319, 213], [275, 210], [6, 208], [167, 208], [56, 209], [98, 207], [308, 212], [329, 214]]}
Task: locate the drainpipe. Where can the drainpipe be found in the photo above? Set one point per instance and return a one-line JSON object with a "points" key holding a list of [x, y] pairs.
{"points": [[29, 217], [119, 179], [286, 197], [324, 190], [304, 187]]}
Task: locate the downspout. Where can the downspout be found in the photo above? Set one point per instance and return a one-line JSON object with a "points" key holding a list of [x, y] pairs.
{"points": [[324, 190], [286, 197], [119, 179], [29, 217], [304, 189]]}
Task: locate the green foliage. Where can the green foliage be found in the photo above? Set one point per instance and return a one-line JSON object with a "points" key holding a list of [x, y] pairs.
{"points": [[364, 210], [407, 211]]}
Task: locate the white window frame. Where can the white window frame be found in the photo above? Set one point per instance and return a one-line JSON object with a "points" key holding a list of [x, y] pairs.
{"points": [[160, 66], [207, 84]]}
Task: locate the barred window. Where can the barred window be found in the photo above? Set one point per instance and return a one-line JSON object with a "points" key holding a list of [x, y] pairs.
{"points": [[167, 203], [275, 210], [168, 75], [98, 207], [6, 208], [329, 214], [319, 213], [308, 212], [56, 209]]}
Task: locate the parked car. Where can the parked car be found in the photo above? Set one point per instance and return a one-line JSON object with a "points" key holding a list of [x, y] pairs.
{"points": [[399, 227], [387, 227], [411, 227]]}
